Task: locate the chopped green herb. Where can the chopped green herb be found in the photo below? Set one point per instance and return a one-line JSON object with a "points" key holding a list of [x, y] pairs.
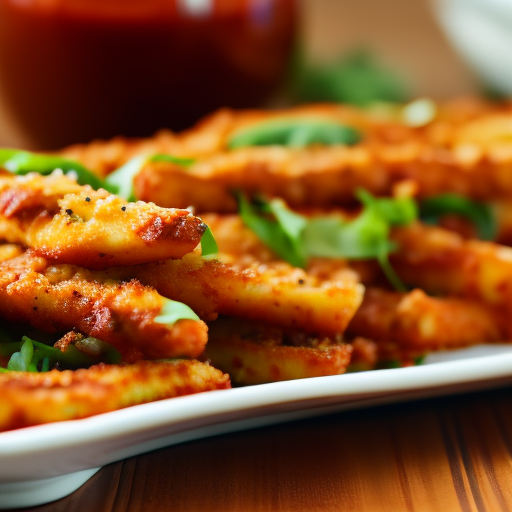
{"points": [[388, 364], [23, 361], [120, 181], [296, 238], [23, 162], [49, 356], [209, 246], [183, 162], [480, 214], [419, 360], [172, 311], [357, 79], [295, 132], [276, 226]]}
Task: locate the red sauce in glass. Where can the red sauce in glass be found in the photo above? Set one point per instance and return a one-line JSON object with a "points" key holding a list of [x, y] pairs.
{"points": [[74, 70]]}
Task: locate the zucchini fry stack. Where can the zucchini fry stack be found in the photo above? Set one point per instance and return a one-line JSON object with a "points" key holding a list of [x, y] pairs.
{"points": [[58, 237], [426, 287]]}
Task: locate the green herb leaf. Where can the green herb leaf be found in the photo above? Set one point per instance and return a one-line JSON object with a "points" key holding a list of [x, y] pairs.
{"points": [[480, 214], [183, 162], [295, 132], [50, 356], [389, 364], [357, 79], [22, 361], [276, 226], [296, 238], [365, 237], [400, 211], [209, 245], [120, 181], [23, 162], [419, 360], [172, 311]]}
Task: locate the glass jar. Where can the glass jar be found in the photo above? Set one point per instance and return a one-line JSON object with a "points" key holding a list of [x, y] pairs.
{"points": [[75, 70]]}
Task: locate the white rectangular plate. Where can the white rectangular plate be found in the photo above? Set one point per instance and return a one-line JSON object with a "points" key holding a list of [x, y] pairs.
{"points": [[43, 463]]}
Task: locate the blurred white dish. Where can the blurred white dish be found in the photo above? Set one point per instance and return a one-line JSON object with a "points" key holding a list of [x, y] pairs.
{"points": [[481, 31], [45, 463]]}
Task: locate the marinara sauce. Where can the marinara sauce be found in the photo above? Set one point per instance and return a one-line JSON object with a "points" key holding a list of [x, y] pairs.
{"points": [[75, 70]]}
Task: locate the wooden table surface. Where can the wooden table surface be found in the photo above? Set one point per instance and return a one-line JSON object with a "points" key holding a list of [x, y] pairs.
{"points": [[447, 454]]}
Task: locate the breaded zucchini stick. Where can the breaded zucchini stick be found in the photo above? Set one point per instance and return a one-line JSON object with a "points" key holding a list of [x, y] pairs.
{"points": [[253, 353], [275, 293], [56, 298], [415, 322], [75, 224], [467, 154], [444, 263], [36, 398]]}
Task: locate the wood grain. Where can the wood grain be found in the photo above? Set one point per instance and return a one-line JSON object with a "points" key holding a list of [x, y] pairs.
{"points": [[450, 454]]}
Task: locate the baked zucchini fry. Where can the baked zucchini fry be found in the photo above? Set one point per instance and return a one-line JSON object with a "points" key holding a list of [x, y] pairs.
{"points": [[61, 298], [418, 323], [94, 229], [36, 398], [275, 293], [444, 263], [253, 353]]}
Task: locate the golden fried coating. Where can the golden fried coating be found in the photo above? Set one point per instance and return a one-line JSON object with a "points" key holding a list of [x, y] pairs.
{"points": [[9, 251], [240, 246], [36, 398], [415, 322], [56, 298], [444, 263], [275, 293], [465, 149], [253, 353], [208, 137], [69, 223]]}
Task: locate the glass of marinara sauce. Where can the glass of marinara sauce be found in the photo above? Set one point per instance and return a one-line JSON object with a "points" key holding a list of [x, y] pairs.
{"points": [[75, 70]]}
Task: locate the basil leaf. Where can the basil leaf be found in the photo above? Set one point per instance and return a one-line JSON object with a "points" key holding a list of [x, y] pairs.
{"points": [[183, 162], [295, 132], [480, 214], [23, 162], [172, 311], [209, 245], [278, 228]]}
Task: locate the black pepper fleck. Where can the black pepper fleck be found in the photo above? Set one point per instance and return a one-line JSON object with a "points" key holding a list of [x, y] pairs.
{"points": [[69, 211], [301, 281], [35, 308], [123, 208], [102, 254], [87, 199]]}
